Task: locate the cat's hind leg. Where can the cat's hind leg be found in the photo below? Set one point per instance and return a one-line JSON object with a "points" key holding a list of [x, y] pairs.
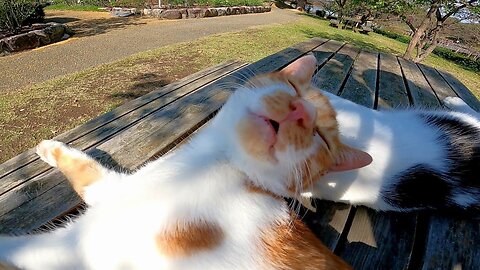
{"points": [[457, 104], [81, 170]]}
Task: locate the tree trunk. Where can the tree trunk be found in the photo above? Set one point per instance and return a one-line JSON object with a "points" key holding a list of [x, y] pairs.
{"points": [[420, 31]]}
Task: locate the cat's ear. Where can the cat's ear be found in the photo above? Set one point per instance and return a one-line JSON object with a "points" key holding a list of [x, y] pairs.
{"points": [[300, 72], [350, 158]]}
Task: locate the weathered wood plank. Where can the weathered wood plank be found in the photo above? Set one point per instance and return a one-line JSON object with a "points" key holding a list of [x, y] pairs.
{"points": [[329, 222], [18, 183], [461, 90], [379, 240], [327, 50], [392, 92], [28, 156], [452, 243], [361, 84], [284, 57], [438, 84], [420, 91], [160, 129], [332, 75]]}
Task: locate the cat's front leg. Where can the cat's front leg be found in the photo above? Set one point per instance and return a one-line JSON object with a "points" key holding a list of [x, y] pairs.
{"points": [[83, 172]]}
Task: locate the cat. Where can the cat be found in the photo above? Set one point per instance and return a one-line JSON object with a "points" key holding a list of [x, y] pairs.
{"points": [[422, 159], [214, 203]]}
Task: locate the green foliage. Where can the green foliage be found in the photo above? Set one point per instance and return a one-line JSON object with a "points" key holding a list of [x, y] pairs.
{"points": [[463, 60], [75, 7], [458, 58], [16, 13], [393, 35], [141, 3]]}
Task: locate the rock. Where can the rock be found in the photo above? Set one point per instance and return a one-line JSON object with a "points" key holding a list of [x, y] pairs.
{"points": [[171, 14], [3, 48], [22, 42], [43, 37], [157, 13], [221, 11], [147, 12], [184, 13], [195, 13], [212, 12], [55, 32]]}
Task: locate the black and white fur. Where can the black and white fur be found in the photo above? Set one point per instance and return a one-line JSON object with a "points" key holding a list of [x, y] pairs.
{"points": [[421, 159]]}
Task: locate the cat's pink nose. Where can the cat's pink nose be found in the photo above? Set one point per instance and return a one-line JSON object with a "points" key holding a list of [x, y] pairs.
{"points": [[302, 112]]}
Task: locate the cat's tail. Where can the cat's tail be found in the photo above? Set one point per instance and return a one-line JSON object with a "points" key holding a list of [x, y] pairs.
{"points": [[55, 250]]}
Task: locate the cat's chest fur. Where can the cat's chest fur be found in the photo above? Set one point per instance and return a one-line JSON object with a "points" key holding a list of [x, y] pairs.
{"points": [[158, 206]]}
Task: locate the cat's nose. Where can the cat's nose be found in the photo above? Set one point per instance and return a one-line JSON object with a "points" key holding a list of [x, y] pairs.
{"points": [[302, 112]]}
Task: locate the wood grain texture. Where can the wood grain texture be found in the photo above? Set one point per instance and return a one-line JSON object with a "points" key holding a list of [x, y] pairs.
{"points": [[438, 84], [27, 157], [420, 91], [378, 240], [330, 220], [332, 75], [461, 90], [327, 50], [150, 133], [452, 243], [392, 92], [360, 86], [23, 184]]}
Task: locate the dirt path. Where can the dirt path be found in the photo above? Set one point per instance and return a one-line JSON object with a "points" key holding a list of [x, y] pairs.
{"points": [[102, 39]]}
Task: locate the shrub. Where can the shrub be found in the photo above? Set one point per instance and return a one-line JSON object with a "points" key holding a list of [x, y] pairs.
{"points": [[393, 35], [458, 58], [463, 60], [16, 13]]}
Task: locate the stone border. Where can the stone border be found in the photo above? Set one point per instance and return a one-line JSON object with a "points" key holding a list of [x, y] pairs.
{"points": [[190, 13], [42, 34]]}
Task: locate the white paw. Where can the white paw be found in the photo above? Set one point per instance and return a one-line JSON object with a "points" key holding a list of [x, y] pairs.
{"points": [[454, 103], [49, 150]]}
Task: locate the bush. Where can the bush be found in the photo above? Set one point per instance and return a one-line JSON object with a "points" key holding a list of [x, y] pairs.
{"points": [[16, 13], [463, 60], [393, 35], [458, 58]]}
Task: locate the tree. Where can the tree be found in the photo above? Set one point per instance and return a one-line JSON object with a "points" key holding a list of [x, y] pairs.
{"points": [[425, 35]]}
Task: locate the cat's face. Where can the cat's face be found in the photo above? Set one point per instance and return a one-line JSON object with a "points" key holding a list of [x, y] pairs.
{"points": [[284, 132]]}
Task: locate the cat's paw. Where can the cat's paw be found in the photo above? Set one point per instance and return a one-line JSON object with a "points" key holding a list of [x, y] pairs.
{"points": [[50, 151]]}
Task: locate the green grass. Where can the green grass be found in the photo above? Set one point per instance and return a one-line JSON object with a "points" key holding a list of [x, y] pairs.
{"points": [[75, 7], [46, 109]]}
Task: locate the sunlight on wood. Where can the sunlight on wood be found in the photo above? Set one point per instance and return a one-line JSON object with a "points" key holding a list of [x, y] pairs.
{"points": [[365, 235]]}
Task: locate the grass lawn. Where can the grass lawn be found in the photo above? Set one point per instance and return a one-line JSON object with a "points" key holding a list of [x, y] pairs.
{"points": [[75, 7], [44, 110]]}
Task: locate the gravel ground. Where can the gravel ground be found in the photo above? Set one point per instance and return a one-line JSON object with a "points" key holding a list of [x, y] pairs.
{"points": [[102, 39]]}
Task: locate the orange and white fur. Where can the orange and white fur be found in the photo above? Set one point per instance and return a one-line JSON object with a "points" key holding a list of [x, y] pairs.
{"points": [[216, 202]]}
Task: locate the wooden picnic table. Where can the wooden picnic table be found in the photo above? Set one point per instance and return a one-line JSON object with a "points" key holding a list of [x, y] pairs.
{"points": [[32, 193]]}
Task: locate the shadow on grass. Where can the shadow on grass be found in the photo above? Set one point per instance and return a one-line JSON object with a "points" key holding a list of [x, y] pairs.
{"points": [[344, 35]]}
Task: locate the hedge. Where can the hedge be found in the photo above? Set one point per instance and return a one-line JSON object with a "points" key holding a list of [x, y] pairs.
{"points": [[458, 58]]}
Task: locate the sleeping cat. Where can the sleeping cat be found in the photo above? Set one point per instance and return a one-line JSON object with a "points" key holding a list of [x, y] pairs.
{"points": [[214, 203], [421, 159]]}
